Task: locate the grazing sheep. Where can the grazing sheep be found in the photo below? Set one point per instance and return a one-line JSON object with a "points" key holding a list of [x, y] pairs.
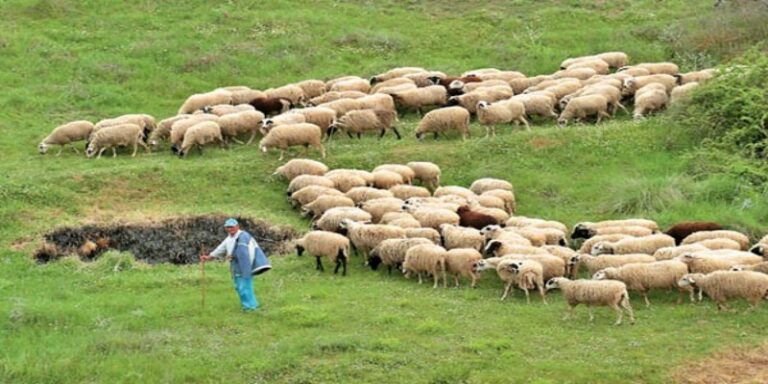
{"points": [[440, 121], [391, 252], [180, 128], [386, 179], [761, 247], [163, 130], [495, 232], [453, 236], [405, 223], [632, 85], [235, 124], [200, 100], [322, 117], [146, 122], [660, 68], [114, 136], [309, 193], [395, 89], [325, 202], [363, 194], [333, 96], [312, 88], [490, 94], [406, 172], [344, 182], [427, 258], [285, 136], [378, 101], [395, 73], [473, 219], [430, 234], [67, 134], [721, 286], [427, 173], [302, 181], [650, 98], [594, 293], [291, 92], [359, 85], [365, 237], [644, 276], [394, 216], [297, 167], [331, 219], [646, 244], [282, 119], [241, 94], [633, 71], [611, 93], [465, 193], [381, 206], [528, 274], [331, 245], [446, 82], [761, 267], [695, 76], [682, 92], [739, 237], [630, 230], [537, 105], [480, 186], [598, 65], [480, 71], [553, 266], [668, 253], [722, 260], [433, 217], [586, 246], [537, 239], [596, 263], [720, 243], [330, 83], [365, 175], [459, 263], [583, 106], [681, 230], [567, 255], [500, 112], [420, 98], [405, 192], [614, 59], [365, 120], [508, 197], [199, 135], [342, 106]]}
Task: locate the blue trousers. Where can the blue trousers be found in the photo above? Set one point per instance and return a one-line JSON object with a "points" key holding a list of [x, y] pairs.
{"points": [[244, 288]]}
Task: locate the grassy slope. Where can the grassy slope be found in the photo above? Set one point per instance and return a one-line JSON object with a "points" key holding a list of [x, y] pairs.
{"points": [[90, 60]]}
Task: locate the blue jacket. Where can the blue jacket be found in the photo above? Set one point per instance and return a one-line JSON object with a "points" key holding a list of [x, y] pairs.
{"points": [[247, 258]]}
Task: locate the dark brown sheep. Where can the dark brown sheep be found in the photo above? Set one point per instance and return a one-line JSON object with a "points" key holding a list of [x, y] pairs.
{"points": [[271, 105], [469, 218], [446, 82], [681, 230]]}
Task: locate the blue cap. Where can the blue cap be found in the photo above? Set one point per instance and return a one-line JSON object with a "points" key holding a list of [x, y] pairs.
{"points": [[231, 222]]}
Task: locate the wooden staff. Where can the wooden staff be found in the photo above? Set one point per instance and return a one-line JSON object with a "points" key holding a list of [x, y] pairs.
{"points": [[202, 280]]}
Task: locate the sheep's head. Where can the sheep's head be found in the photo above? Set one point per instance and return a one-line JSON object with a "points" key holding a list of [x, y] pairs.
{"points": [[456, 84], [42, 148], [435, 80], [482, 104], [688, 280], [91, 150], [581, 231], [758, 249], [374, 260], [602, 248], [562, 121], [601, 274], [492, 247], [453, 100], [299, 250], [553, 283], [489, 229], [514, 267], [207, 109], [480, 265], [575, 259], [374, 80], [462, 209], [736, 268]]}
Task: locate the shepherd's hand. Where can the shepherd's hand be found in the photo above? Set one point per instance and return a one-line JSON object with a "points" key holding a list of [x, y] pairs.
{"points": [[205, 258]]}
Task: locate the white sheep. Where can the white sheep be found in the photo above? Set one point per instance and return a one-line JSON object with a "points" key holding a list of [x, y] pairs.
{"points": [[682, 92], [297, 167], [490, 94], [433, 217], [235, 124], [163, 130], [722, 260], [325, 244], [405, 192], [721, 286], [420, 98], [508, 197], [391, 252], [322, 117], [668, 253], [333, 96], [317, 207], [365, 175], [365, 237], [386, 179], [646, 244], [406, 172], [395, 73], [537, 105], [454, 236], [380, 206], [364, 121], [660, 68], [331, 219], [302, 181], [200, 100], [199, 135], [720, 243], [115, 136], [312, 88], [427, 173], [363, 194], [180, 128], [596, 263], [650, 98], [458, 263], [583, 106], [282, 119], [345, 181], [291, 92], [528, 274], [442, 120], [696, 76], [309, 193], [760, 247], [427, 258], [500, 112], [644, 276], [739, 237], [610, 293], [631, 85], [67, 134], [285, 136]]}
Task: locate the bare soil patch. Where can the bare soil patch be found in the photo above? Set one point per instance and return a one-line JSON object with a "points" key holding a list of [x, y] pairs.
{"points": [[740, 365]]}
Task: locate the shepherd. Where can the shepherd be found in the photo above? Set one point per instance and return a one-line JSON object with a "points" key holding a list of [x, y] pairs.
{"points": [[246, 259]]}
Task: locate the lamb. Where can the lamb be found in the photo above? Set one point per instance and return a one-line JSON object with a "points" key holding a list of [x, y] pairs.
{"points": [[443, 120], [379, 207], [508, 197], [681, 230], [583, 106], [646, 244], [199, 135], [459, 261], [365, 237], [594, 293], [596, 263], [235, 124], [724, 285], [405, 192], [291, 92], [427, 233], [650, 98], [200, 100], [297, 167], [391, 252], [331, 219], [433, 217], [476, 220], [528, 274], [710, 261], [365, 120], [427, 258], [419, 98], [500, 112], [322, 117], [668, 253], [285, 136], [67, 134], [386, 179], [312, 88], [453, 237], [363, 194], [695, 76], [395, 73], [333, 96], [302, 181], [645, 276], [282, 119], [740, 238], [309, 193], [325, 202], [427, 173], [114, 136], [325, 244], [180, 128], [406, 172]]}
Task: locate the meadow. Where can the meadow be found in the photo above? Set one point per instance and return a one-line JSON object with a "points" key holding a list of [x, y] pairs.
{"points": [[73, 322]]}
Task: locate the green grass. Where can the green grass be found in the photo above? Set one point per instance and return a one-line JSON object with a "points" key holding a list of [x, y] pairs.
{"points": [[64, 60]]}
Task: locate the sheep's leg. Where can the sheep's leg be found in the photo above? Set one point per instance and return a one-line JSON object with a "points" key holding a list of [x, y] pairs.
{"points": [[114, 152], [338, 265], [618, 104], [135, 148], [591, 314], [542, 294], [250, 139], [700, 294], [645, 297], [60, 149], [568, 313], [619, 313], [445, 279], [507, 288], [525, 122], [419, 275], [389, 270], [100, 152], [436, 279], [474, 281], [322, 151], [350, 135], [236, 140], [435, 135], [394, 129], [527, 295], [73, 148], [628, 307], [602, 114], [381, 134], [319, 265], [146, 147], [456, 279], [282, 154]]}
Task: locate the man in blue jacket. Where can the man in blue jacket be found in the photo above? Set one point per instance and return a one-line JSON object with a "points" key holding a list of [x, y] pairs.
{"points": [[240, 250]]}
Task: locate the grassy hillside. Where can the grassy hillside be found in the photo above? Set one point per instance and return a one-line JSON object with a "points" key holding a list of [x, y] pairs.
{"points": [[64, 60]]}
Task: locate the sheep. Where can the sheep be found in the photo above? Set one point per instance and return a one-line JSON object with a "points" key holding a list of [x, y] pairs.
{"points": [[446, 82], [312, 88], [342, 106], [488, 201], [362, 194], [285, 136], [495, 248], [761, 247], [660, 68], [553, 266], [739, 237], [459, 261], [453, 236], [490, 94], [317, 207], [406, 172], [359, 85], [333, 96], [443, 120], [234, 124], [199, 135], [610, 293], [567, 255], [573, 60], [469, 87], [500, 112], [630, 230], [282, 119], [611, 93], [163, 130], [114, 136], [309, 193], [466, 193], [241, 94], [473, 219], [710, 261], [427, 258], [365, 236], [200, 100], [586, 246], [508, 197], [331, 219], [331, 245], [378, 101], [505, 76], [344, 182], [536, 238], [427, 233], [537, 105], [695, 76], [180, 128], [650, 98], [330, 83], [633, 71], [723, 285], [761, 267], [322, 117], [396, 82], [614, 59], [405, 223], [598, 65], [298, 167], [575, 73], [680, 231], [682, 92], [226, 109], [365, 120], [405, 192], [581, 107], [424, 79], [419, 98], [596, 263], [528, 274], [495, 232], [394, 216], [395, 89], [365, 175], [67, 134], [146, 122], [633, 84], [480, 186], [668, 253], [378, 207], [433, 217], [645, 276], [522, 221], [302, 181], [646, 244], [611, 223], [386, 179], [427, 173], [395, 73], [291, 92], [391, 252], [552, 236], [720, 243]]}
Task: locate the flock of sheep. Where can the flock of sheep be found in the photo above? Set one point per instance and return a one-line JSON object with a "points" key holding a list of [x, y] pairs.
{"points": [[434, 230], [307, 112]]}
